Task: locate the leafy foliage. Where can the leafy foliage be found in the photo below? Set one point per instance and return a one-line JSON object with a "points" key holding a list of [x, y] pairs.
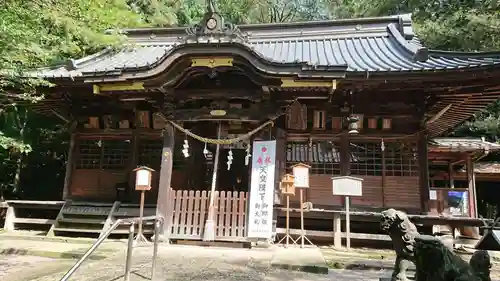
{"points": [[39, 33]]}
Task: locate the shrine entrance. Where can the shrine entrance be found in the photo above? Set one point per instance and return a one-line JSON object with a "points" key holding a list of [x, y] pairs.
{"points": [[191, 188]]}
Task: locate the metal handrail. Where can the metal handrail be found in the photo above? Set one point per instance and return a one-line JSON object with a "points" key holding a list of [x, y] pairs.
{"points": [[132, 221]]}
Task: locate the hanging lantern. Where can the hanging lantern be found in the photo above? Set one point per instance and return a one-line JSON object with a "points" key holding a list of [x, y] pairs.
{"points": [[353, 125], [288, 184]]}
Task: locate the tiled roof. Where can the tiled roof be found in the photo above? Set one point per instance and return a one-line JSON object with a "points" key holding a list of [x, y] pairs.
{"points": [[485, 168], [462, 144], [385, 44]]}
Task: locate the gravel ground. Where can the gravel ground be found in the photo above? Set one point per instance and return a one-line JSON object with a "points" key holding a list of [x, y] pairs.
{"points": [[206, 264], [15, 268]]}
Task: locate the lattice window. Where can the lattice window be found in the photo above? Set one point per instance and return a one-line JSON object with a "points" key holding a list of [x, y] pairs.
{"points": [[116, 154], [150, 151], [366, 159], [401, 159], [89, 154], [323, 157]]}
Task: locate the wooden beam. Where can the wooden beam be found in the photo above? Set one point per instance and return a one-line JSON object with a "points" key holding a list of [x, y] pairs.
{"points": [[292, 83], [115, 87], [164, 206], [439, 114], [212, 62]]}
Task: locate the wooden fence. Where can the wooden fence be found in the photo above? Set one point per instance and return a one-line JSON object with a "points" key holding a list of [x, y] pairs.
{"points": [[189, 211]]}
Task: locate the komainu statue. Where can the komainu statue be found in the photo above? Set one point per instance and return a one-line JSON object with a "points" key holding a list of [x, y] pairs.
{"points": [[433, 260], [436, 262], [403, 233], [481, 265]]}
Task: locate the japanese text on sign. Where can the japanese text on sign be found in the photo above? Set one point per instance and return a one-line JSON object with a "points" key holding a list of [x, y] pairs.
{"points": [[262, 189]]}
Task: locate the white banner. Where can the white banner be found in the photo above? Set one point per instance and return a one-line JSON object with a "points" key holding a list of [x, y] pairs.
{"points": [[260, 211]]}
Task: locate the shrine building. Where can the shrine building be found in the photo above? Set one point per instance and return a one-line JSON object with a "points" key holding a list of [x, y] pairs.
{"points": [[359, 97]]}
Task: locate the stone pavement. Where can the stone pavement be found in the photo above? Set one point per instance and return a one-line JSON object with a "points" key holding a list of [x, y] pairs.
{"points": [[26, 258], [56, 248], [193, 263]]}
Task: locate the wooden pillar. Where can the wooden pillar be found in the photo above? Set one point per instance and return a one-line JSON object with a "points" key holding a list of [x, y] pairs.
{"points": [[423, 165], [164, 206], [450, 172], [471, 184], [345, 156], [384, 179], [337, 231], [69, 167], [10, 217], [133, 163]]}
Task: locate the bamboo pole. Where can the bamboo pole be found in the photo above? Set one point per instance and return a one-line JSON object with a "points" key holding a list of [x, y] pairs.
{"points": [[209, 230]]}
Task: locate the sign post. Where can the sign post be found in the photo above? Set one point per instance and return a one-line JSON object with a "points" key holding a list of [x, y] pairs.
{"points": [[287, 186], [347, 186], [143, 177], [301, 181]]}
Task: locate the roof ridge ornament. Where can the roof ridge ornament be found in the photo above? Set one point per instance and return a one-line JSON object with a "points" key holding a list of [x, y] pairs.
{"points": [[213, 28]]}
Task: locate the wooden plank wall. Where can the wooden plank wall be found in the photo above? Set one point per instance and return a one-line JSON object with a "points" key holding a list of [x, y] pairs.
{"points": [[320, 191], [372, 193], [402, 192], [95, 184], [399, 192]]}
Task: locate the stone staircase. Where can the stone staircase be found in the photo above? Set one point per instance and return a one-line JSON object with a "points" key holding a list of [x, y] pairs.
{"points": [[91, 219]]}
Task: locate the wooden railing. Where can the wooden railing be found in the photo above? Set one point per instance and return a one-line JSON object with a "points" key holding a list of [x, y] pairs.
{"points": [[190, 210]]}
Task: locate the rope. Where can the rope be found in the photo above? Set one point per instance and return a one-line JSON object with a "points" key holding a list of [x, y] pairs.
{"points": [[218, 141]]}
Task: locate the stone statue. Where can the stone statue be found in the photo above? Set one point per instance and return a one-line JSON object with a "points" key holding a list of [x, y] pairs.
{"points": [[436, 262], [481, 265], [403, 233]]}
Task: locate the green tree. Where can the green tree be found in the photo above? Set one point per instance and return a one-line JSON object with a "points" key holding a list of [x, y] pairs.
{"points": [[466, 25], [40, 33]]}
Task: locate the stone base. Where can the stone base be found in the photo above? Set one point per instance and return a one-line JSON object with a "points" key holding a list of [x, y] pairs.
{"points": [[262, 244], [389, 278]]}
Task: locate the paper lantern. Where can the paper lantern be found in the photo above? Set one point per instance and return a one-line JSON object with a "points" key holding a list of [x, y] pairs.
{"points": [[288, 185]]}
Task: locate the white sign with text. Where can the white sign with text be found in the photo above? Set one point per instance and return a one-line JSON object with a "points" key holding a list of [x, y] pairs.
{"points": [[260, 210]]}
